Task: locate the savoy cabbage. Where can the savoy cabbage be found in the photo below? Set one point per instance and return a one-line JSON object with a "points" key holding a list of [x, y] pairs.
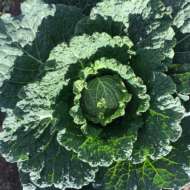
{"points": [[99, 100]]}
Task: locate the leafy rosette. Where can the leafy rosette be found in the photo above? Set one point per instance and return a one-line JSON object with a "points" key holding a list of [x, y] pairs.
{"points": [[103, 101]]}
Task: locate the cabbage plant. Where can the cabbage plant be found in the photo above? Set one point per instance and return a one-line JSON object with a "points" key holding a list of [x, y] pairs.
{"points": [[99, 100]]}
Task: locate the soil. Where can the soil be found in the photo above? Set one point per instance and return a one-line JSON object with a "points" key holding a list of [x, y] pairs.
{"points": [[10, 6], [186, 187], [9, 178]]}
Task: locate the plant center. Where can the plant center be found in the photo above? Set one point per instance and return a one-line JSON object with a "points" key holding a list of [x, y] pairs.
{"points": [[104, 99]]}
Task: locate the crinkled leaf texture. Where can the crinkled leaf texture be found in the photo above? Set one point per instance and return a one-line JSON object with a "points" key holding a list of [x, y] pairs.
{"points": [[121, 18], [168, 172], [48, 163], [26, 41], [180, 11], [46, 70], [28, 185]]}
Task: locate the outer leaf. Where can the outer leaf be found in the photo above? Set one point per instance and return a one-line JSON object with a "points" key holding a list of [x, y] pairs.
{"points": [[169, 172], [153, 38], [47, 163], [12, 41], [180, 11], [124, 176], [28, 185], [162, 125], [26, 41], [102, 148], [182, 17], [72, 174]]}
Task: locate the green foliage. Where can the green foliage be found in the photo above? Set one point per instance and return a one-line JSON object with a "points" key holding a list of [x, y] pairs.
{"points": [[85, 5], [97, 99]]}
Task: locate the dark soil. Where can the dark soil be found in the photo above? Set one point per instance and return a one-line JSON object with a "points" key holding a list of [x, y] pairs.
{"points": [[9, 179], [10, 6]]}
